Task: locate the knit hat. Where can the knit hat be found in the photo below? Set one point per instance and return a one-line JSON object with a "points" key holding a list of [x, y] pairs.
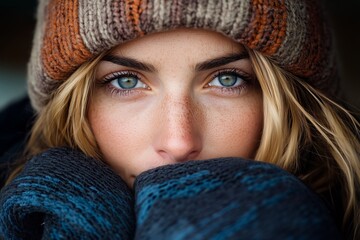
{"points": [[71, 32]]}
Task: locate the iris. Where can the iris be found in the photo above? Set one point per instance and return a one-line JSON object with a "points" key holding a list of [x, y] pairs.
{"points": [[127, 82], [228, 80]]}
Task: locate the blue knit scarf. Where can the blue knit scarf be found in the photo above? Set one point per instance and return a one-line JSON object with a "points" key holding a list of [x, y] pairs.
{"points": [[62, 194]]}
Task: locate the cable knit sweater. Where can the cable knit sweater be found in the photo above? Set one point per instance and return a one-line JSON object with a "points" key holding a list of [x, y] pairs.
{"points": [[62, 194]]}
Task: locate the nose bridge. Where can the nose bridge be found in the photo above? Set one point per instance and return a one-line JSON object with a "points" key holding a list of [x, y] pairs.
{"points": [[179, 138], [179, 114]]}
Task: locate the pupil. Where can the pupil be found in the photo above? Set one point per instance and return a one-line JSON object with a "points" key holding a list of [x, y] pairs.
{"points": [[228, 80], [127, 82]]}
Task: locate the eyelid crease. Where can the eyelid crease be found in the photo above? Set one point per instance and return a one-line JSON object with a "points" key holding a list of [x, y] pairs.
{"points": [[116, 74]]}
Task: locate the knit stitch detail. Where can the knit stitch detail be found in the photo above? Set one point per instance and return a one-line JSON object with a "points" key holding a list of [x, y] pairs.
{"points": [[62, 194], [228, 198], [290, 32], [133, 12], [63, 48]]}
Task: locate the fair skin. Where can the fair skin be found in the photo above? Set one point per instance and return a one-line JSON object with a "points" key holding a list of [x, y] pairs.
{"points": [[172, 97]]}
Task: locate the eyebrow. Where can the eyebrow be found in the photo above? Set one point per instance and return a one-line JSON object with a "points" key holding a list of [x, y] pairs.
{"points": [[129, 62], [206, 65], [217, 62]]}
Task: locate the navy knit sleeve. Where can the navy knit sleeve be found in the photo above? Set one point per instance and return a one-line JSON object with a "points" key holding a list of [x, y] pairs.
{"points": [[62, 194], [228, 198]]}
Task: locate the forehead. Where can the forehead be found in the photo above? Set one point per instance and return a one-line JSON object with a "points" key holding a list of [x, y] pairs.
{"points": [[179, 43]]}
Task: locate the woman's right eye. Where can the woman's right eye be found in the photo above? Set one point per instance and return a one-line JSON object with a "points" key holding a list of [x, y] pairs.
{"points": [[124, 84], [127, 82]]}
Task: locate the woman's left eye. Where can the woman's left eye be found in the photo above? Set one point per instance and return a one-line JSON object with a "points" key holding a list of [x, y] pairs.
{"points": [[227, 80]]}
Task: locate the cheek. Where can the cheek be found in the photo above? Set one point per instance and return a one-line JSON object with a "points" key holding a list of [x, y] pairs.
{"points": [[119, 135], [236, 130], [249, 134]]}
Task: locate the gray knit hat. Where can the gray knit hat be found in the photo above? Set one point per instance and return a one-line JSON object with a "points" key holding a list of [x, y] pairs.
{"points": [[70, 32]]}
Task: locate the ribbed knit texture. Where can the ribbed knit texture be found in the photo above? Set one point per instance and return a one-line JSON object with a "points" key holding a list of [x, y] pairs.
{"points": [[228, 198], [70, 32], [62, 194]]}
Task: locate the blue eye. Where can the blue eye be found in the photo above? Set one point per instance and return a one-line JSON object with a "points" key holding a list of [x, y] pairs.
{"points": [[127, 82], [227, 80]]}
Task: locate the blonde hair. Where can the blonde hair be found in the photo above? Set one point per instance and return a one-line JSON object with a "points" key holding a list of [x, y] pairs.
{"points": [[311, 136], [63, 121], [304, 132]]}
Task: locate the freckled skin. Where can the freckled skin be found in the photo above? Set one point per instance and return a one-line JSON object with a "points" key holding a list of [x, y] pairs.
{"points": [[178, 118]]}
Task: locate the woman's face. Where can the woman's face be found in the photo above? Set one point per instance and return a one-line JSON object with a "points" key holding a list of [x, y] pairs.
{"points": [[172, 97]]}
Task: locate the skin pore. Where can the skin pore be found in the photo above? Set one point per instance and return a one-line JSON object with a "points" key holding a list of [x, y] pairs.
{"points": [[175, 96]]}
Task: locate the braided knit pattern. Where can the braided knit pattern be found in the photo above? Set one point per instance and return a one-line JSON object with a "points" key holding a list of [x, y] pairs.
{"points": [[228, 198], [70, 32], [61, 194]]}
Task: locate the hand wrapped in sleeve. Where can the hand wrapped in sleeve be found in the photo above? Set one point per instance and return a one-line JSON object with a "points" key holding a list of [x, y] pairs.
{"points": [[228, 198], [62, 194]]}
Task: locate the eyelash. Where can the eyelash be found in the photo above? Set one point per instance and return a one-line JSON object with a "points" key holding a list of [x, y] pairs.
{"points": [[248, 79], [106, 81]]}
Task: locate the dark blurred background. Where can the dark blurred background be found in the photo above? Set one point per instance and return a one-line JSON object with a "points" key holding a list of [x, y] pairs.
{"points": [[17, 23]]}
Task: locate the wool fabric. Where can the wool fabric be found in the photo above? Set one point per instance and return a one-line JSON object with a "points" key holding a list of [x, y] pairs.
{"points": [[228, 198], [62, 194], [71, 32]]}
